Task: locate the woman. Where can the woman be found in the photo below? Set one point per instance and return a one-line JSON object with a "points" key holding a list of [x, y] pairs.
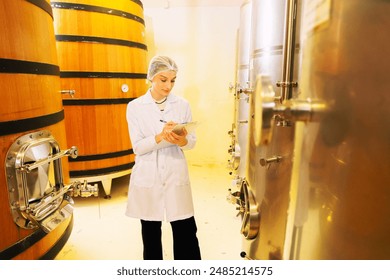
{"points": [[159, 185]]}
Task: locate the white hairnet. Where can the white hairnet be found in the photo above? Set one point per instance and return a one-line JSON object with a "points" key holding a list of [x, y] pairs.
{"points": [[160, 64]]}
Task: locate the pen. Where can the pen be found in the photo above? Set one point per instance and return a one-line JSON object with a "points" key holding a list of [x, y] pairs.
{"points": [[166, 122]]}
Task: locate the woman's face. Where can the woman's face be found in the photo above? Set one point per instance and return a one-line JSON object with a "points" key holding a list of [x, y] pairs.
{"points": [[162, 84]]}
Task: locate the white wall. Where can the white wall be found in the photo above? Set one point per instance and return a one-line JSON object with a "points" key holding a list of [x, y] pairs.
{"points": [[202, 40]]}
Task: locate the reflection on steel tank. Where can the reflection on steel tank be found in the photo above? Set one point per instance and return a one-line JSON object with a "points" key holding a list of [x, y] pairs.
{"points": [[342, 184], [239, 132], [319, 151], [102, 57]]}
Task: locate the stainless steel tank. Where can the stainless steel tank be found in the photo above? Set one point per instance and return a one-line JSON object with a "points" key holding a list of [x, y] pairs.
{"points": [[325, 142], [340, 206], [266, 188], [239, 132]]}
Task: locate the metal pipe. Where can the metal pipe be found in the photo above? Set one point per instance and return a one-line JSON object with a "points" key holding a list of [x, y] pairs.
{"points": [[57, 155], [287, 82]]}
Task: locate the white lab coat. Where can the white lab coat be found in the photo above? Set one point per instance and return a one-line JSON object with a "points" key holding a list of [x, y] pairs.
{"points": [[159, 183]]}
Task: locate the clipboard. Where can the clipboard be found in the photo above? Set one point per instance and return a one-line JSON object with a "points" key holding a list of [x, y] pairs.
{"points": [[190, 127]]}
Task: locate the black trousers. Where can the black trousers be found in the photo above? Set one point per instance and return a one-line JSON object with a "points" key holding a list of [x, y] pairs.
{"points": [[185, 242]]}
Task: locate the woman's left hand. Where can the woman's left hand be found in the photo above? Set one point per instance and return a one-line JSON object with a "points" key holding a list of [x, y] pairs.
{"points": [[180, 140]]}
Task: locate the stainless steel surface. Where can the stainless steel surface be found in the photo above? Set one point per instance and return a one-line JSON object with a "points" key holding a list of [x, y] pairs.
{"points": [[241, 103], [249, 210], [271, 136], [83, 189], [267, 39], [324, 193], [270, 185], [28, 167], [37, 194], [243, 52], [267, 161], [287, 84], [342, 202]]}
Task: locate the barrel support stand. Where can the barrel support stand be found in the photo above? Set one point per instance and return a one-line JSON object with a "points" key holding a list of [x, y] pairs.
{"points": [[105, 179]]}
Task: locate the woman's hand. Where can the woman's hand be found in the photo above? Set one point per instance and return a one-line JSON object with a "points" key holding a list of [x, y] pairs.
{"points": [[172, 137], [180, 140], [166, 130]]}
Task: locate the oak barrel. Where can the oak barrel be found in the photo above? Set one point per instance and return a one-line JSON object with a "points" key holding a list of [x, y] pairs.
{"points": [[30, 101], [102, 57]]}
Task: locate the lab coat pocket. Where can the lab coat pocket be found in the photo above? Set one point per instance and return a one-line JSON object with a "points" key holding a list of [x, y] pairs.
{"points": [[143, 175], [180, 172]]}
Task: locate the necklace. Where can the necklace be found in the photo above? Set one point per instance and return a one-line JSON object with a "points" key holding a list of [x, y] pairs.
{"points": [[161, 102]]}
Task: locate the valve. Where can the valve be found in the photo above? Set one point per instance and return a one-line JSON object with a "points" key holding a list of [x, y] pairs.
{"points": [[268, 161], [71, 92]]}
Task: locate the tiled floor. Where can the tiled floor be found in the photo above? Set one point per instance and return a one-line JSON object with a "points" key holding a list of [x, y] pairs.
{"points": [[101, 231]]}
